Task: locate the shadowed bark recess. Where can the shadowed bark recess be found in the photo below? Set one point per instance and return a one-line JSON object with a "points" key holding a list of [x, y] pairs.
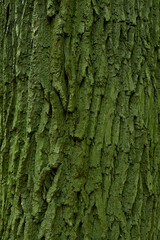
{"points": [[79, 120]]}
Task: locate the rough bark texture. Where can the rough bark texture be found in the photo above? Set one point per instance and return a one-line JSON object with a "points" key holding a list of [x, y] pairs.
{"points": [[79, 120]]}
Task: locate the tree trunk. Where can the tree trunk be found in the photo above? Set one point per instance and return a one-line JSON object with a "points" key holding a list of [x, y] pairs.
{"points": [[79, 120]]}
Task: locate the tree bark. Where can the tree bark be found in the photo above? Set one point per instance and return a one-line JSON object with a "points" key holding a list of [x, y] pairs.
{"points": [[79, 120]]}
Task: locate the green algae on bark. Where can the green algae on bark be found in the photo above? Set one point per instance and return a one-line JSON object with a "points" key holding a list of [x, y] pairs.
{"points": [[79, 120]]}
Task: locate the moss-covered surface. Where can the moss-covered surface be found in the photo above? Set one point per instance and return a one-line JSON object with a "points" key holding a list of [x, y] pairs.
{"points": [[79, 120]]}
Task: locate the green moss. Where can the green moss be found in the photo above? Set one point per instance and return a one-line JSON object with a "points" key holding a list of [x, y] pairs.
{"points": [[79, 120]]}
